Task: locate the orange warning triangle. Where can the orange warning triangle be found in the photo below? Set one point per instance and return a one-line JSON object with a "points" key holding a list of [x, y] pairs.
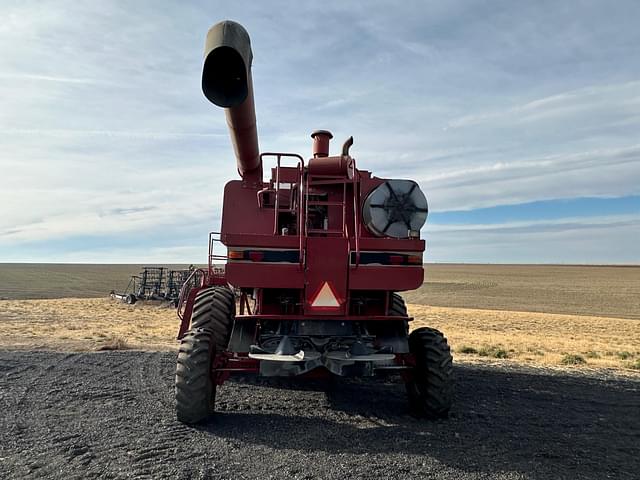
{"points": [[325, 297]]}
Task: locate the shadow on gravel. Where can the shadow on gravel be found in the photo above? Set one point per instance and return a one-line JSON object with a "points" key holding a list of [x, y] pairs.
{"points": [[551, 424], [111, 415]]}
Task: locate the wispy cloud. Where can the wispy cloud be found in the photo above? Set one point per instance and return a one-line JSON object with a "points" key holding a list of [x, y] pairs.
{"points": [[576, 240], [39, 132], [542, 226], [47, 78], [622, 98], [518, 181]]}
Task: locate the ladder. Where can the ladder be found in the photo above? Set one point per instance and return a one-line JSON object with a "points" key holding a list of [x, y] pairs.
{"points": [[319, 180]]}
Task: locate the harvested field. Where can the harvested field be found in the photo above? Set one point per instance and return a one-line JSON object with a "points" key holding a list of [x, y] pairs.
{"points": [[535, 338], [98, 323], [602, 291], [81, 324], [53, 280], [574, 316]]}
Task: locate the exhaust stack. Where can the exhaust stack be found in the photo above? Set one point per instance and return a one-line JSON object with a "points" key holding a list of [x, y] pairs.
{"points": [[321, 143], [226, 82]]}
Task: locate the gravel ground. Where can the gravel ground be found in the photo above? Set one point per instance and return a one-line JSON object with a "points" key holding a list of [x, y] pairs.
{"points": [[110, 415]]}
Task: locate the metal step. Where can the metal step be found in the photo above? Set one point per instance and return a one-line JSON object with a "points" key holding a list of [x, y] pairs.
{"points": [[347, 357], [328, 203], [321, 231], [301, 356]]}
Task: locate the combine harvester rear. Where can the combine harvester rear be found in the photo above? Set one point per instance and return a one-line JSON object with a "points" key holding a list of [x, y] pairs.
{"points": [[315, 258]]}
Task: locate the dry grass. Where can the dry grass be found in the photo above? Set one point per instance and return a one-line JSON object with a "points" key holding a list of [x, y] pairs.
{"points": [[114, 342], [540, 314], [86, 324], [535, 337], [540, 338]]}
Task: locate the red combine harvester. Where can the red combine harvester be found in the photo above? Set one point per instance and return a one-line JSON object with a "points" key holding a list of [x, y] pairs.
{"points": [[314, 259]]}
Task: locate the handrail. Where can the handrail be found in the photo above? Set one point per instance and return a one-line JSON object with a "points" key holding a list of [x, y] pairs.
{"points": [[276, 207], [300, 167], [212, 256], [306, 203], [345, 229], [301, 221], [186, 288], [356, 212]]}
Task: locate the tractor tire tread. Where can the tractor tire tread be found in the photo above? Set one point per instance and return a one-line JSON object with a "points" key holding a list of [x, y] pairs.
{"points": [[398, 308], [214, 309], [195, 392], [211, 323], [431, 390]]}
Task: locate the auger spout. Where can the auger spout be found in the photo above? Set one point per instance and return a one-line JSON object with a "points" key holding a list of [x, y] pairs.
{"points": [[226, 82]]}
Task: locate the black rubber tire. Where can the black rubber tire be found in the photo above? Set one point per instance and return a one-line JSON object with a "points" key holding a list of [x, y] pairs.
{"points": [[211, 323], [397, 308], [215, 309], [131, 299], [195, 389], [430, 391]]}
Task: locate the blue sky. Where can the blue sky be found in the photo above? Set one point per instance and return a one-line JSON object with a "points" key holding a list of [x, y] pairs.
{"points": [[520, 120]]}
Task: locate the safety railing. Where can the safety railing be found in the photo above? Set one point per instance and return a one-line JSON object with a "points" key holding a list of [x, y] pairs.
{"points": [[215, 270], [277, 183], [357, 225], [196, 279]]}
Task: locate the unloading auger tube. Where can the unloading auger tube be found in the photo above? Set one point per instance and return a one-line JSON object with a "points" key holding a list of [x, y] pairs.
{"points": [[226, 82]]}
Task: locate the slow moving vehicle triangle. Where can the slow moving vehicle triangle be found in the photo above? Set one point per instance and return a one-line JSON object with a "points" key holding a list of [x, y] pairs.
{"points": [[325, 298]]}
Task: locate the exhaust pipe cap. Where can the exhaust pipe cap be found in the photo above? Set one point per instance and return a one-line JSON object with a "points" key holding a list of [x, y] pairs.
{"points": [[321, 143]]}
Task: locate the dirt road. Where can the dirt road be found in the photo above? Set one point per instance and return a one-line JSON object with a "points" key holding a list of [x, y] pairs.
{"points": [[110, 415]]}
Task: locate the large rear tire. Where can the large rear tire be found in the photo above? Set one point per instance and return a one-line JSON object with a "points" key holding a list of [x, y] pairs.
{"points": [[211, 324], [397, 308], [430, 390], [215, 309]]}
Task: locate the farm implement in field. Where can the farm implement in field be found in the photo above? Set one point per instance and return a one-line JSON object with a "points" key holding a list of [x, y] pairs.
{"points": [[154, 283]]}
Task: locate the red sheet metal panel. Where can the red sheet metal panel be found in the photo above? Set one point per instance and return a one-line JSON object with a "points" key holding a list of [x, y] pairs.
{"points": [[263, 240], [264, 275], [391, 244], [383, 277], [326, 268]]}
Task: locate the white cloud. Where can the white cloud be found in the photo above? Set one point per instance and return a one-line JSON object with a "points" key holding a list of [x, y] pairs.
{"points": [[108, 133], [606, 172], [27, 76], [595, 102], [572, 240], [180, 254]]}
